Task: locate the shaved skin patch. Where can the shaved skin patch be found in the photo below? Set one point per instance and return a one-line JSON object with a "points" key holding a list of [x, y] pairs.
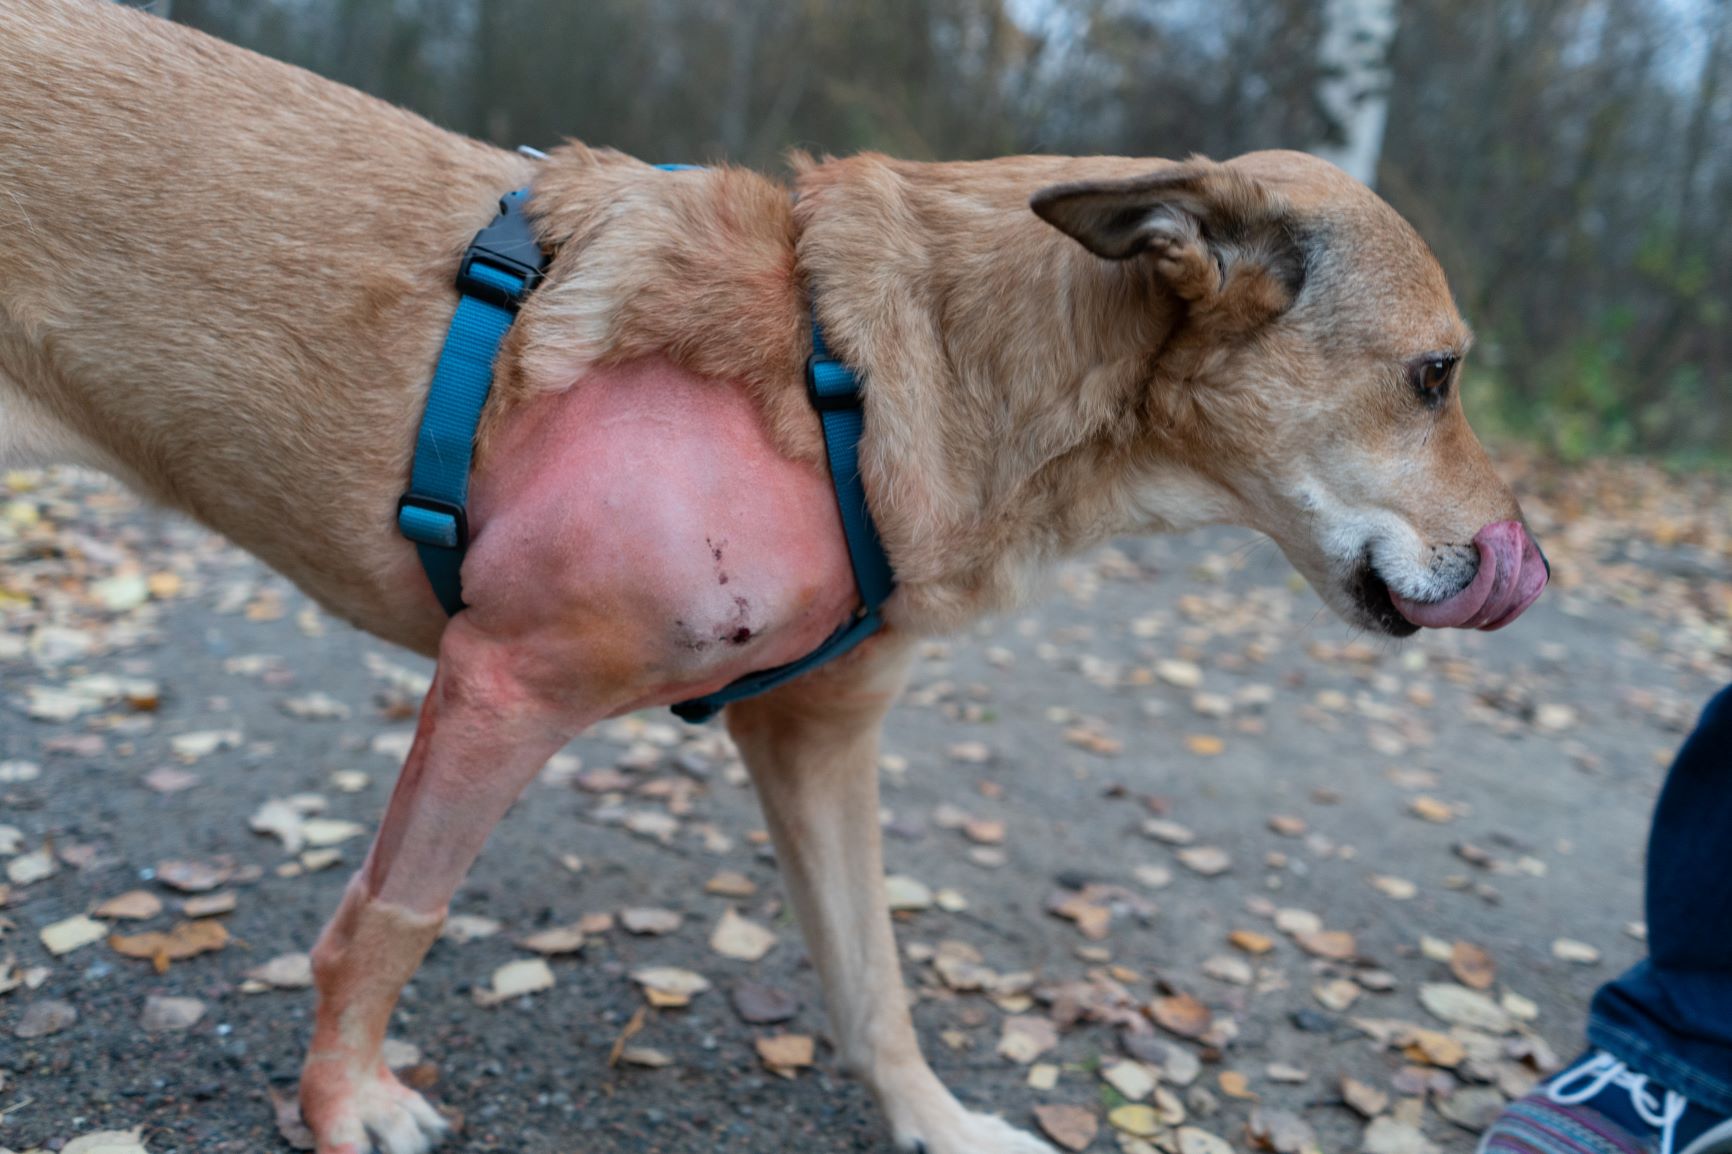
{"points": [[646, 510]]}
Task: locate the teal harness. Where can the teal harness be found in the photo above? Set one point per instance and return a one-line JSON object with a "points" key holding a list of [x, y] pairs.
{"points": [[501, 267]]}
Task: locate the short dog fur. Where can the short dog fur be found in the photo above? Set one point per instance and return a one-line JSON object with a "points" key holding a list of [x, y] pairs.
{"points": [[226, 281]]}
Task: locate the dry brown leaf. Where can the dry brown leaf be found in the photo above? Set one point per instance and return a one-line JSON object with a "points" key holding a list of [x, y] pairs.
{"points": [[108, 1142], [1229, 968], [41, 1019], [1388, 1136], [982, 831], [1366, 1100], [1136, 1120], [73, 933], [1460, 1006], [740, 938], [1236, 1085], [596, 924], [285, 972], [1132, 1079], [1336, 994], [466, 928], [1435, 1048], [185, 940], [194, 877], [1473, 1108], [971, 752], [29, 868], [1398, 889], [1295, 921], [731, 884], [1570, 950], [1333, 945], [785, 1054], [1281, 1132], [1428, 808], [1472, 966], [210, 905], [1207, 860], [1184, 674], [906, 894], [670, 986], [1191, 1140], [1251, 942], [168, 1014], [1182, 1014], [133, 905], [1026, 1037], [763, 1005], [1072, 1127], [1171, 832], [514, 980], [646, 1056], [647, 920], [554, 941]]}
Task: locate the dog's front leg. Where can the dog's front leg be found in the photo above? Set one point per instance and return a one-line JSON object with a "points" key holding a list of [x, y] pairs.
{"points": [[481, 739], [812, 748]]}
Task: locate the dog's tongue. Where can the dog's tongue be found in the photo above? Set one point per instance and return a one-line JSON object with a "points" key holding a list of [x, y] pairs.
{"points": [[1512, 571]]}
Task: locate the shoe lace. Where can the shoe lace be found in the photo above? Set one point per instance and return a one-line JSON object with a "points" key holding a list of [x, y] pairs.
{"points": [[1655, 1105]]}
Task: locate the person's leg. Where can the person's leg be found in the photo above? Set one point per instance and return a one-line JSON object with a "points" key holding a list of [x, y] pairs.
{"points": [[1658, 1076], [1670, 1017]]}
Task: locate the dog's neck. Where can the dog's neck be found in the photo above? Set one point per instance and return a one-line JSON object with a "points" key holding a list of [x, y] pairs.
{"points": [[1007, 369]]}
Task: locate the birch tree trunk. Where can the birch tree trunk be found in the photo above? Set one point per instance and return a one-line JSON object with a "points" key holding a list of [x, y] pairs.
{"points": [[1354, 54]]}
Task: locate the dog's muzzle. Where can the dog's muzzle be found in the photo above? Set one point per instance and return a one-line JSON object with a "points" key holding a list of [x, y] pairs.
{"points": [[1511, 574]]}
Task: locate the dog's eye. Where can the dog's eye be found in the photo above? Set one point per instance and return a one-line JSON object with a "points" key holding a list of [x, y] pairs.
{"points": [[1431, 377]]}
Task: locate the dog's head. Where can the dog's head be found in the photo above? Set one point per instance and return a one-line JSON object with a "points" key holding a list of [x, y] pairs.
{"points": [[1310, 382]]}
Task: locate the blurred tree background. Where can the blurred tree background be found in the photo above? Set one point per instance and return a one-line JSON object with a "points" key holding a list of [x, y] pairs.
{"points": [[1569, 160]]}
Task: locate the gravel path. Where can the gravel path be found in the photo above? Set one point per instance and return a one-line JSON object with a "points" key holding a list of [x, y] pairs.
{"points": [[1368, 807]]}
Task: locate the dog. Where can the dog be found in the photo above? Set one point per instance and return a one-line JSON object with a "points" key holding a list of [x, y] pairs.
{"points": [[226, 281]]}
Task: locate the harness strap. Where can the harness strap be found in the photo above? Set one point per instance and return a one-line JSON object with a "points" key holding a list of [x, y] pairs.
{"points": [[834, 391], [501, 267]]}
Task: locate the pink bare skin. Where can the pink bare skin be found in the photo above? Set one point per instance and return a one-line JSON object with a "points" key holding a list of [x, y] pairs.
{"points": [[643, 520], [637, 540]]}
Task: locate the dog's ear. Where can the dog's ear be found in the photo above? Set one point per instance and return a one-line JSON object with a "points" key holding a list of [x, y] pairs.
{"points": [[1217, 236]]}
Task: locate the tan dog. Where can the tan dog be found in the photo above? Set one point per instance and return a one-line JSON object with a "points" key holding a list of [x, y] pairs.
{"points": [[226, 281]]}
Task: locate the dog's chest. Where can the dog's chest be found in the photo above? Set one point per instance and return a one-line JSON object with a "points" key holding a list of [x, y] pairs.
{"points": [[651, 505], [31, 437]]}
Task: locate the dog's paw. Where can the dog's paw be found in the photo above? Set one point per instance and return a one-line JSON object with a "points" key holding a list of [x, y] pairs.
{"points": [[968, 1133], [362, 1114]]}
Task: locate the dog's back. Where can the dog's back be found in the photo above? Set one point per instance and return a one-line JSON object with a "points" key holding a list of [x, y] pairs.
{"points": [[194, 238]]}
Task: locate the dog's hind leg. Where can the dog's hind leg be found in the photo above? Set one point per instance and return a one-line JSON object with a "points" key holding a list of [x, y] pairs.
{"points": [[812, 747], [482, 737]]}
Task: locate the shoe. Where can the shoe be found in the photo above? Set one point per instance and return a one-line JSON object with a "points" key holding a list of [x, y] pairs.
{"points": [[1598, 1105]]}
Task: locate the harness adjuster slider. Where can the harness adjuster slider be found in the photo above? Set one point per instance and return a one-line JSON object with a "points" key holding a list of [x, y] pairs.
{"points": [[430, 521], [830, 386]]}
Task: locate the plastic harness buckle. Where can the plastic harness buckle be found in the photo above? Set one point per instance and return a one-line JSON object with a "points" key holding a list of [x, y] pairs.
{"points": [[500, 268], [504, 263]]}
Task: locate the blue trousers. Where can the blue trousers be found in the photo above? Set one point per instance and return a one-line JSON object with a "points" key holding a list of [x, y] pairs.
{"points": [[1671, 1016]]}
